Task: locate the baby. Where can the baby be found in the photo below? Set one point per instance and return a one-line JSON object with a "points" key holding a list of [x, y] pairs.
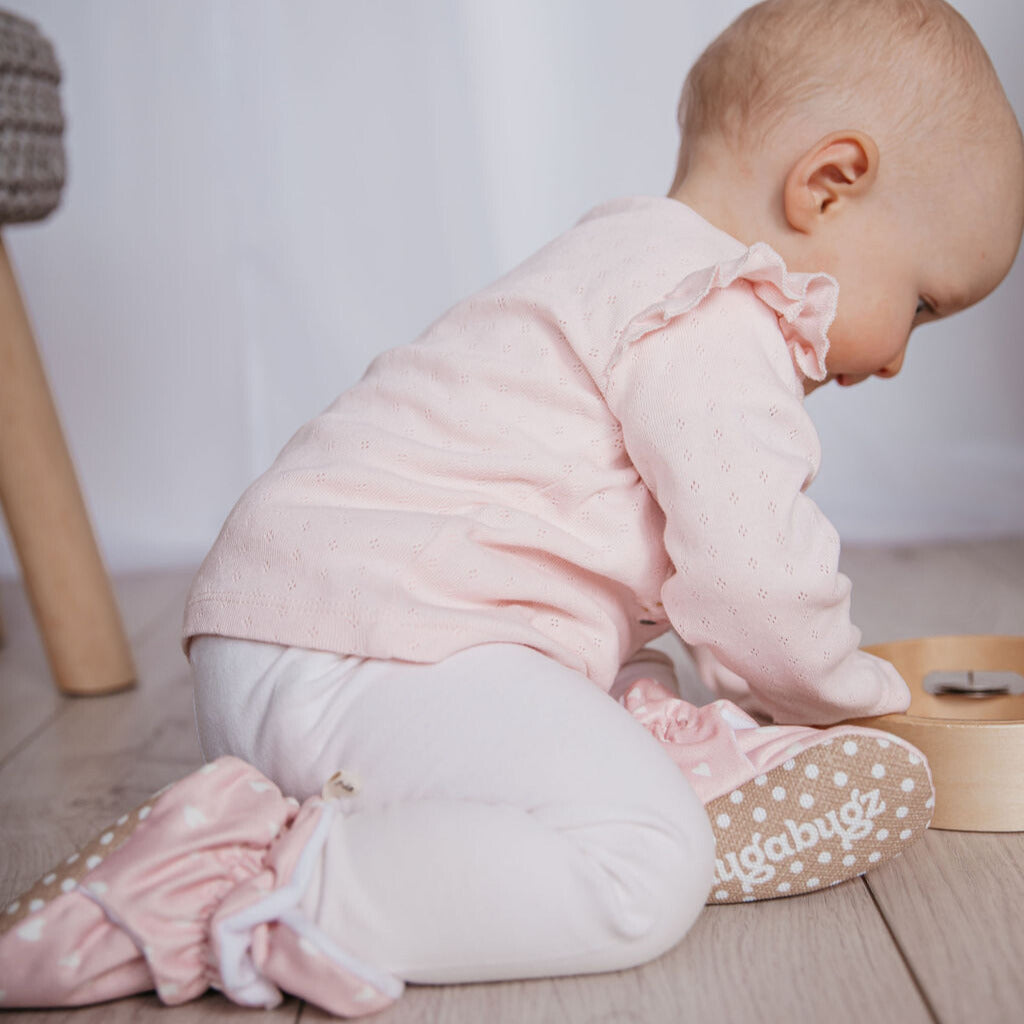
{"points": [[429, 597]]}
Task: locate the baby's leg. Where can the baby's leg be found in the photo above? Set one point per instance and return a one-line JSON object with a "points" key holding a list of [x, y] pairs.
{"points": [[510, 821]]}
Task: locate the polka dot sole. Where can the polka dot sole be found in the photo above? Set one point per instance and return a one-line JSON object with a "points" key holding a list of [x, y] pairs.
{"points": [[66, 876], [831, 812]]}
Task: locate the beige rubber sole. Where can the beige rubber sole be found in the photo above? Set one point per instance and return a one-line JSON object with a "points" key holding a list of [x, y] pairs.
{"points": [[65, 876], [830, 813]]}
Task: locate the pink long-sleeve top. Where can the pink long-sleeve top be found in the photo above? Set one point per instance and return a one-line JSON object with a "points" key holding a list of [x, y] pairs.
{"points": [[607, 442]]}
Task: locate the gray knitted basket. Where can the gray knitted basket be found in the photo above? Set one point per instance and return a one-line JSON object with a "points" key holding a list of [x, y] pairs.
{"points": [[31, 123]]}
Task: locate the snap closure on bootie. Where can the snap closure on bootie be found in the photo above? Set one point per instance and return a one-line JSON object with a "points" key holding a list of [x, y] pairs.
{"points": [[794, 809], [199, 887]]}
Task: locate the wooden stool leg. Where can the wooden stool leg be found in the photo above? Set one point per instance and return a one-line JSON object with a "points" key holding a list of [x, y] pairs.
{"points": [[67, 584]]}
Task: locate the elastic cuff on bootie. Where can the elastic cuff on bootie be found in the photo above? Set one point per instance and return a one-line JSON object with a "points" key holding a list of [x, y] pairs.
{"points": [[130, 910], [202, 837], [198, 887], [261, 940]]}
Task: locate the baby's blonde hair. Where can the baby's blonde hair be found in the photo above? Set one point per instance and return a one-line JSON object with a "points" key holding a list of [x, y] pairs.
{"points": [[914, 64]]}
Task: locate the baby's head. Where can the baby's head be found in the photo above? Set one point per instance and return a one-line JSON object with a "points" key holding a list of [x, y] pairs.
{"points": [[870, 139]]}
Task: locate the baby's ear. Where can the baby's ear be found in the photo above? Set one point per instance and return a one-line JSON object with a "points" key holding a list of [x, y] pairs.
{"points": [[837, 168]]}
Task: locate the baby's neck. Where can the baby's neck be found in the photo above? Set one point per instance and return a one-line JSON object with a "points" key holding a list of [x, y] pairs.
{"points": [[737, 198]]}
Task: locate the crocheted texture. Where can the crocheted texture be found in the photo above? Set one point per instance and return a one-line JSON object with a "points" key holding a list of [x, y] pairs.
{"points": [[31, 123]]}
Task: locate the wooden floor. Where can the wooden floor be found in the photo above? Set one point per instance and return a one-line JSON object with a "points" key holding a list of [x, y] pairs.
{"points": [[936, 935]]}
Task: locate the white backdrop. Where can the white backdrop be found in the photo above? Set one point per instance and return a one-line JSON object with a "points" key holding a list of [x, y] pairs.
{"points": [[265, 193]]}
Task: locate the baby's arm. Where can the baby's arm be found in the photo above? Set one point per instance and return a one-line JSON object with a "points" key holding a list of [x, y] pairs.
{"points": [[723, 682], [713, 419]]}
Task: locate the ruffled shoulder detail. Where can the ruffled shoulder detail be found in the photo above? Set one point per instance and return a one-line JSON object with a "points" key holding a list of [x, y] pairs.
{"points": [[804, 303]]}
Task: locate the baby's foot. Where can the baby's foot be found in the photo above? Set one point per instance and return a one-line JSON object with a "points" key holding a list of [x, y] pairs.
{"points": [[843, 802], [199, 886], [794, 809]]}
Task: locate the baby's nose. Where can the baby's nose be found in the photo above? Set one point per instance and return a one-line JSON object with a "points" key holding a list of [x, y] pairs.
{"points": [[891, 369]]}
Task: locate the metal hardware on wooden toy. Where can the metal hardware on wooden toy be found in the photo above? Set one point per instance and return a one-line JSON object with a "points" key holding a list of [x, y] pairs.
{"points": [[974, 684], [966, 715]]}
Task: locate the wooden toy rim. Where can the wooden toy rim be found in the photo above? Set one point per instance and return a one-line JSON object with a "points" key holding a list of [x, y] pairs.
{"points": [[914, 659]]}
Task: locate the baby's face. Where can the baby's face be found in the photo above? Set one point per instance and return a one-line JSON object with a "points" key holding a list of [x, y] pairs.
{"points": [[918, 253]]}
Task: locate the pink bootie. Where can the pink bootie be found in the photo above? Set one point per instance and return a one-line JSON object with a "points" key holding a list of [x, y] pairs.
{"points": [[793, 808], [200, 887]]}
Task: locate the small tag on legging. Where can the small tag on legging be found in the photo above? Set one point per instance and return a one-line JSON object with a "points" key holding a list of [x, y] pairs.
{"points": [[340, 784]]}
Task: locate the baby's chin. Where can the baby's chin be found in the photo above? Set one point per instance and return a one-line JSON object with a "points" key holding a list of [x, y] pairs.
{"points": [[844, 380], [813, 385]]}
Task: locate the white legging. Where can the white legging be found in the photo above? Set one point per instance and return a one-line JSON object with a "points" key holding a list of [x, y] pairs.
{"points": [[511, 820]]}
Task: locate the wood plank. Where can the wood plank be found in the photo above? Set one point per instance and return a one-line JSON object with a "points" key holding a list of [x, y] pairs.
{"points": [[100, 757], [1002, 555], [155, 720], [28, 697], [827, 956], [103, 756], [955, 909], [952, 901], [147, 1009], [905, 592], [96, 758]]}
